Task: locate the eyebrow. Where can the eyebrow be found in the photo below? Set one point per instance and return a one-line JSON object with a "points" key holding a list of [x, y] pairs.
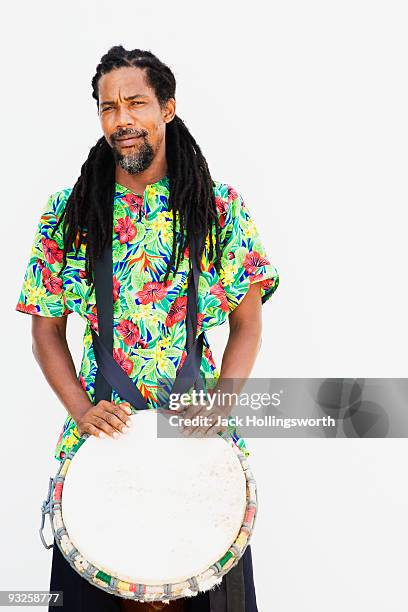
{"points": [[128, 98]]}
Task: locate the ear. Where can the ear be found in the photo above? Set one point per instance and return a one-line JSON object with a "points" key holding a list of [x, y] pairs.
{"points": [[169, 110]]}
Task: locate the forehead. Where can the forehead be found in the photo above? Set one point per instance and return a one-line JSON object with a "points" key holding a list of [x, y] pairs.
{"points": [[125, 81]]}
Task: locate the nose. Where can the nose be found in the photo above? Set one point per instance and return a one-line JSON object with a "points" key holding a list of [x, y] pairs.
{"points": [[123, 117]]}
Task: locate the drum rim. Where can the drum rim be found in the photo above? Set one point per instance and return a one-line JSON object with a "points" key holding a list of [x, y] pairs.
{"points": [[142, 592]]}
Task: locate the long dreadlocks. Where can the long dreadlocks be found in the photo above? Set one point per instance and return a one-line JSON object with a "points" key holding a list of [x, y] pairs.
{"points": [[87, 215]]}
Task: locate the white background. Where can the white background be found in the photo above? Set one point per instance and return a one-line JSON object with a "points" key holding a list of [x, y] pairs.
{"points": [[302, 107]]}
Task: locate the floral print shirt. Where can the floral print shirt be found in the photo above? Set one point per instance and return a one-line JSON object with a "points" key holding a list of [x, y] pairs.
{"points": [[149, 315]]}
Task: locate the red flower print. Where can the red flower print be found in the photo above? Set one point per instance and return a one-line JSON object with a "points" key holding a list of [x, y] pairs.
{"points": [[222, 207], [40, 263], [125, 229], [267, 283], [62, 455], [82, 274], [219, 292], [121, 358], [83, 382], [30, 308], [153, 292], [52, 283], [143, 344], [93, 318], [51, 251], [116, 287], [134, 202], [231, 255], [177, 311], [232, 194], [129, 331], [182, 360], [253, 260], [200, 318]]}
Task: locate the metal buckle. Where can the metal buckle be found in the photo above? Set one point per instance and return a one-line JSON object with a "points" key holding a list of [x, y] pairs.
{"points": [[46, 509]]}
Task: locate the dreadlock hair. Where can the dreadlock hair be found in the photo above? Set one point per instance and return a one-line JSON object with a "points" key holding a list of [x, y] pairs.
{"points": [[88, 210]]}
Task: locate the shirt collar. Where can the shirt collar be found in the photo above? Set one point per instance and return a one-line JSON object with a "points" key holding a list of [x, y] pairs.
{"points": [[160, 186]]}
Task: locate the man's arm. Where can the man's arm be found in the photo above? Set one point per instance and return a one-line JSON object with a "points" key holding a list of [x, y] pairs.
{"points": [[51, 351], [244, 340]]}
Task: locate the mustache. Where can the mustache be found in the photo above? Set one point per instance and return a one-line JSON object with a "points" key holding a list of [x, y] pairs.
{"points": [[128, 132]]}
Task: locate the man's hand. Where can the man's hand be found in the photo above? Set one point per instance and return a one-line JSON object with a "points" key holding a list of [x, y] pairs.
{"points": [[105, 418]]}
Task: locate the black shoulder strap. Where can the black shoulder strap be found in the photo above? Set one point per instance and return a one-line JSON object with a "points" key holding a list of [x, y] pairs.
{"points": [[103, 274], [109, 373]]}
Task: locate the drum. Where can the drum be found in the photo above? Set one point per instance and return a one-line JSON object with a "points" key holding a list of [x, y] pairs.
{"points": [[152, 518]]}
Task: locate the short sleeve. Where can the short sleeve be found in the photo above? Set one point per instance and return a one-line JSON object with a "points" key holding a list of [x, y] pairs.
{"points": [[244, 259], [42, 290]]}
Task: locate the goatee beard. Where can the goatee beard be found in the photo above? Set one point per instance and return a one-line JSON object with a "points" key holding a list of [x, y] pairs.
{"points": [[133, 163]]}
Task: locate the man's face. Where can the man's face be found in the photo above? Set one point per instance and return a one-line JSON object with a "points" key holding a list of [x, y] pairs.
{"points": [[131, 118]]}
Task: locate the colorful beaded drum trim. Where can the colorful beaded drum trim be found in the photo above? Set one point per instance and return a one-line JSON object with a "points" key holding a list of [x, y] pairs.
{"points": [[142, 592]]}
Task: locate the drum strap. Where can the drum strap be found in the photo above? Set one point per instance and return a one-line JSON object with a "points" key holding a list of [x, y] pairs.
{"points": [[109, 373]]}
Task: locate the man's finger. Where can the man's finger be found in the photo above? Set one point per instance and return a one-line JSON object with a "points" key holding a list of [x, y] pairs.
{"points": [[103, 424], [119, 413], [124, 406], [92, 430]]}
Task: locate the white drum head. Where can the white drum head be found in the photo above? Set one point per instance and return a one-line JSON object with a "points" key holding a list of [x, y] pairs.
{"points": [[151, 510]]}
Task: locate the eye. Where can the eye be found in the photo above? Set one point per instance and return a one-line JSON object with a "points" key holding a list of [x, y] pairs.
{"points": [[136, 102], [105, 108]]}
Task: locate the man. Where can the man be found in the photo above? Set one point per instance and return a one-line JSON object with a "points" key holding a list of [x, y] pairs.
{"points": [[147, 185]]}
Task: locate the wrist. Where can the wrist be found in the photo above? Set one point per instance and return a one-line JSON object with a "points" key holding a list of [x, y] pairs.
{"points": [[77, 408]]}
